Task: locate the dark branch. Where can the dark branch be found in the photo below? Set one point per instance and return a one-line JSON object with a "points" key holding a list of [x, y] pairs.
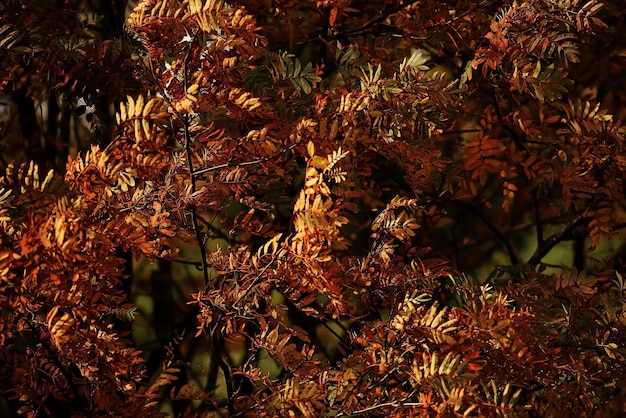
{"points": [[384, 14], [200, 239], [552, 241], [498, 234]]}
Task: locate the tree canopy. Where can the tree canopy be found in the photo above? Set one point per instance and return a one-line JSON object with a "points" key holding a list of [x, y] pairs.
{"points": [[312, 208]]}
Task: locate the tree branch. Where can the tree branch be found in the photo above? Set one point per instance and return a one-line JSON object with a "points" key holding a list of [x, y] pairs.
{"points": [[384, 14], [544, 248], [200, 240], [243, 163], [499, 234]]}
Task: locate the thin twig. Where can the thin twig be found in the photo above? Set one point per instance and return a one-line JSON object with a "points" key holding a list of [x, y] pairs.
{"points": [[194, 213], [243, 163], [393, 404], [258, 278]]}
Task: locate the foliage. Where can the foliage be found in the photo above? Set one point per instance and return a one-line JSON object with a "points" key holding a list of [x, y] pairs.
{"points": [[370, 193]]}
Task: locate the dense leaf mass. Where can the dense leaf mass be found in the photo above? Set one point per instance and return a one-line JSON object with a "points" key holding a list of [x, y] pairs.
{"points": [[312, 208]]}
